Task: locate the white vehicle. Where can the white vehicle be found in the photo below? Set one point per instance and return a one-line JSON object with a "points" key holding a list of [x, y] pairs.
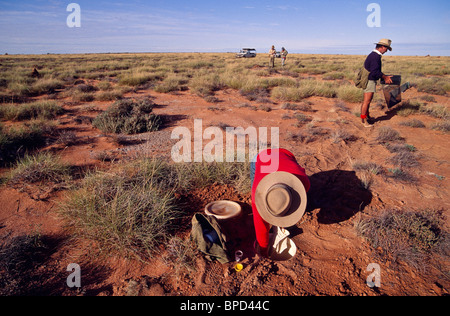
{"points": [[246, 53]]}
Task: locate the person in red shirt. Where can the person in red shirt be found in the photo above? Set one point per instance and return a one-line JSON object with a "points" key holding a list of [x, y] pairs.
{"points": [[279, 188]]}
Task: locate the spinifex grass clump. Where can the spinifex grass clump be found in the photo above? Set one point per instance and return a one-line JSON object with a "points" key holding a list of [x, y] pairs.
{"points": [[20, 261], [305, 89], [406, 235], [29, 111], [128, 117], [44, 167], [15, 142], [128, 214]]}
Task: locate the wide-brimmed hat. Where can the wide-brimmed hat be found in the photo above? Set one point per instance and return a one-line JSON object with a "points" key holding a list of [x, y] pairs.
{"points": [[281, 199], [385, 42], [223, 210]]}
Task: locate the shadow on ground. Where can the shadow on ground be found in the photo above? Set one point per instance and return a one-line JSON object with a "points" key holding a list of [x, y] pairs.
{"points": [[338, 194]]}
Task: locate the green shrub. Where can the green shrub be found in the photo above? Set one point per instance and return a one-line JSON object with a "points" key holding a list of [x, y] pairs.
{"points": [[128, 117]]}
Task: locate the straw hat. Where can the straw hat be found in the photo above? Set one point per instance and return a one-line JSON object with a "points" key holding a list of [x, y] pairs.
{"points": [[281, 199], [385, 42], [223, 210]]}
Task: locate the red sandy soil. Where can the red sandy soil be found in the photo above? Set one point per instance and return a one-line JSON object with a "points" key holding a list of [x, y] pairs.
{"points": [[331, 259]]}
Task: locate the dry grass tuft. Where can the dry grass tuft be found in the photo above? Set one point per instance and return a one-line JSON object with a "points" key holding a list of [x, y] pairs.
{"points": [[413, 123], [386, 134], [406, 235], [441, 126]]}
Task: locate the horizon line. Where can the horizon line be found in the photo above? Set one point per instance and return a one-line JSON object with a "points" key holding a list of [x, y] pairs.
{"points": [[202, 52]]}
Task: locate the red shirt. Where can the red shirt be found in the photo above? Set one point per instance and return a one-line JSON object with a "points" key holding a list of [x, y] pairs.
{"points": [[280, 160]]}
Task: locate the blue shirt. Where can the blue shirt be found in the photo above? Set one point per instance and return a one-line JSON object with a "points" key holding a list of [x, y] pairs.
{"points": [[373, 65]]}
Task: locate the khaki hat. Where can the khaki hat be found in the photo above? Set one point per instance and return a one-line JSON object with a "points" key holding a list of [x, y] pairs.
{"points": [[281, 199], [385, 42], [223, 210]]}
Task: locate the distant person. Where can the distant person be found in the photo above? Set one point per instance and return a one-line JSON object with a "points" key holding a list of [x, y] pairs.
{"points": [[272, 54], [284, 54], [279, 193], [373, 65]]}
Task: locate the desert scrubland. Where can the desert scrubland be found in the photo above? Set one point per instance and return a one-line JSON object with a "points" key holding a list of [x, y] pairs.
{"points": [[87, 174]]}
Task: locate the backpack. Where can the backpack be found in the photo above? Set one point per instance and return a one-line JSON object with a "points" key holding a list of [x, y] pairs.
{"points": [[362, 79], [208, 237]]}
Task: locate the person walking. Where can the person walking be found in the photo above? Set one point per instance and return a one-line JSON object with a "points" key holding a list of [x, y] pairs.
{"points": [[284, 54], [272, 54], [373, 65]]}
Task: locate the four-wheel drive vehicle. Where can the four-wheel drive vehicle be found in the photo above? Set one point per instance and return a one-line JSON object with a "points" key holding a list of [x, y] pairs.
{"points": [[246, 53]]}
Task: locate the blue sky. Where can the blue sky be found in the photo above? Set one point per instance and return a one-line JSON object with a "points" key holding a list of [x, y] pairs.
{"points": [[330, 27]]}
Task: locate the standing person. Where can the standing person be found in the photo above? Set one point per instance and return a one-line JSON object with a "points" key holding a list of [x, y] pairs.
{"points": [[279, 188], [272, 54], [284, 54], [373, 65]]}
